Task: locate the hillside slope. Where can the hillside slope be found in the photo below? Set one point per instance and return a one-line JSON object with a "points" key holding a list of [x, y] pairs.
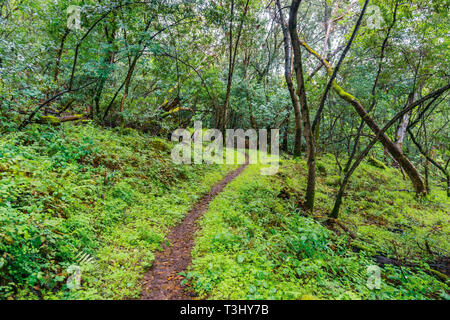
{"points": [[91, 202]]}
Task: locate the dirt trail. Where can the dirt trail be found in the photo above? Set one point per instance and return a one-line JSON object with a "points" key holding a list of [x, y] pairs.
{"points": [[162, 282]]}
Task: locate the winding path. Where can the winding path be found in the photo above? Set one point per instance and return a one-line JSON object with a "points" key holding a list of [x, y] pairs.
{"points": [[162, 281]]}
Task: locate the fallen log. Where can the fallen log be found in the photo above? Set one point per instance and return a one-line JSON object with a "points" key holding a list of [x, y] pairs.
{"points": [[439, 269], [58, 120], [381, 259], [173, 111]]}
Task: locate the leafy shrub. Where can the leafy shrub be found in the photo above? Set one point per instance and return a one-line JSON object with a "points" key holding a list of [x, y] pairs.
{"points": [[306, 238]]}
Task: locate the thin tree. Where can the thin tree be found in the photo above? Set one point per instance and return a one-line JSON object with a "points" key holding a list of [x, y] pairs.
{"points": [[290, 85], [223, 117], [301, 92]]}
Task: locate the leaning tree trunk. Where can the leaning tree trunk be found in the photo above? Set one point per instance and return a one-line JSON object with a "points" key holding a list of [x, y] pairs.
{"points": [[59, 55], [310, 187], [396, 153], [128, 81], [409, 108]]}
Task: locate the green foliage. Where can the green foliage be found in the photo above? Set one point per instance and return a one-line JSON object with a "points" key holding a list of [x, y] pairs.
{"points": [[321, 168], [256, 245], [112, 194]]}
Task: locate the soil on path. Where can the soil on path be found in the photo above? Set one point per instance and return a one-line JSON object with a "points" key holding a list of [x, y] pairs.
{"points": [[162, 281]]}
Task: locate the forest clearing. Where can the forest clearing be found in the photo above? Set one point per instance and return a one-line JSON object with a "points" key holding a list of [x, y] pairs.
{"points": [[224, 150]]}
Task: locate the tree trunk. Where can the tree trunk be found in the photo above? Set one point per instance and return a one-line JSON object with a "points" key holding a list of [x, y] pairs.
{"points": [[110, 37], [396, 153], [223, 119], [60, 52], [132, 67], [310, 187], [128, 81], [401, 130], [288, 77], [285, 126], [429, 159]]}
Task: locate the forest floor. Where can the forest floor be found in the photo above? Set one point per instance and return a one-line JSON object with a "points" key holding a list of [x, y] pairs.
{"points": [[163, 281], [89, 204], [256, 242], [111, 203]]}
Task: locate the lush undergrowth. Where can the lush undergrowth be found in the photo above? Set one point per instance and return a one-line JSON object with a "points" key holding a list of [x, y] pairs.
{"points": [[88, 201], [256, 244]]}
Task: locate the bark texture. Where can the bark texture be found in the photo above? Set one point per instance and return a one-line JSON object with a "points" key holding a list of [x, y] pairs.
{"points": [[290, 85], [301, 92]]}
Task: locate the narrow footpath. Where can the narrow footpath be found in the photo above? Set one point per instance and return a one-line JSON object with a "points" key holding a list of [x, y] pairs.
{"points": [[162, 281]]}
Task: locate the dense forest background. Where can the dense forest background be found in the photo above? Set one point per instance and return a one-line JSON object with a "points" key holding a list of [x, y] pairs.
{"points": [[157, 65], [346, 82]]}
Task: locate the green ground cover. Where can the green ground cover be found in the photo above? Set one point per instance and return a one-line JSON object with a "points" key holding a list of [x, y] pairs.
{"points": [[256, 244], [101, 199]]}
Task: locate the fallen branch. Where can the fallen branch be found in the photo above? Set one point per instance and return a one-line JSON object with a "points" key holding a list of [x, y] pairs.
{"points": [[58, 120], [343, 227], [168, 113], [48, 101]]}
